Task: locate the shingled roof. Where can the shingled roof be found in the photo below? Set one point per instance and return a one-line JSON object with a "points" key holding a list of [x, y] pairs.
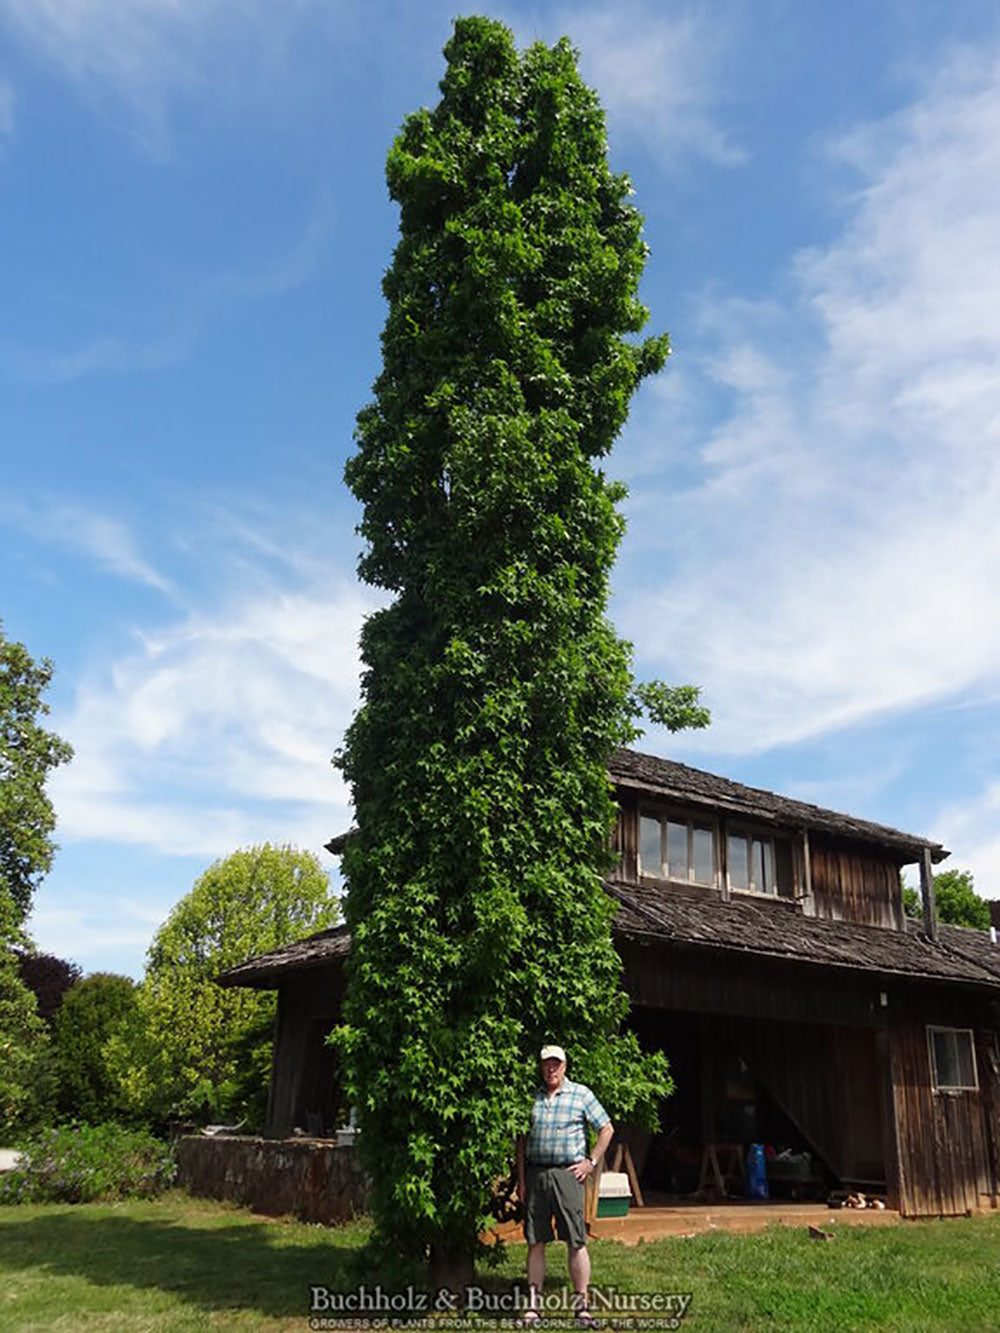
{"points": [[693, 786], [267, 969], [770, 928], [773, 928], [975, 946]]}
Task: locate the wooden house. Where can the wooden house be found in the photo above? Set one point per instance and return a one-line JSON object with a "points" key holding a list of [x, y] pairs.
{"points": [[766, 951]]}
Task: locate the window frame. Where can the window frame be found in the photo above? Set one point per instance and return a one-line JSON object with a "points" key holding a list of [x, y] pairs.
{"points": [[750, 836], [934, 1029], [693, 822]]}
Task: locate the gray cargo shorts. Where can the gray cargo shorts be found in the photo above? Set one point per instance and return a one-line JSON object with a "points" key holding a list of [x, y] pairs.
{"points": [[553, 1191]]}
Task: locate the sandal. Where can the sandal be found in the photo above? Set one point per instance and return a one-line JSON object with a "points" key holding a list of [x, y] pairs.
{"points": [[585, 1319]]}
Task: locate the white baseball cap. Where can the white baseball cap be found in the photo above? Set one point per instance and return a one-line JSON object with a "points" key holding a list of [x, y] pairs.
{"points": [[553, 1053]]}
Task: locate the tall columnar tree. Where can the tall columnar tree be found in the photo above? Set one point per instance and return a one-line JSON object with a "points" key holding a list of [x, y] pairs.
{"points": [[494, 687], [27, 753]]}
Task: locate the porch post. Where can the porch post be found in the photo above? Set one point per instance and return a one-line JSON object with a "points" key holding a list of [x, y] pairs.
{"points": [[927, 895], [887, 1109]]}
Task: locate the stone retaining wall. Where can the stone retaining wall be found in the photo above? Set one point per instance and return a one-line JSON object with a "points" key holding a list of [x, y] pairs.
{"points": [[312, 1179]]}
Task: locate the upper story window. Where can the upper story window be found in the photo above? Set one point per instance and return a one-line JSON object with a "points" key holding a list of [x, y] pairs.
{"points": [[953, 1059], [750, 862], [672, 847], [690, 850]]}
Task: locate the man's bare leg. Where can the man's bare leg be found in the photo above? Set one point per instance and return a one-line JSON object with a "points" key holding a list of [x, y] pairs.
{"points": [[578, 1262], [536, 1274]]}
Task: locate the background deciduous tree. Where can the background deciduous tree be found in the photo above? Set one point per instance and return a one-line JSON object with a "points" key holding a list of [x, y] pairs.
{"points": [[49, 977], [27, 754], [195, 1048], [958, 903], [93, 1011], [27, 1081], [494, 687]]}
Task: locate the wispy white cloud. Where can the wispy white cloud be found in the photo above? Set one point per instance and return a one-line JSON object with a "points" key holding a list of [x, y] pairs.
{"points": [[142, 55], [218, 728], [831, 550], [98, 536], [661, 75], [969, 829], [119, 926]]}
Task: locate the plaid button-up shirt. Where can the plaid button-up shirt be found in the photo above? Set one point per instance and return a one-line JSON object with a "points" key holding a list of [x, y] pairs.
{"points": [[558, 1134]]}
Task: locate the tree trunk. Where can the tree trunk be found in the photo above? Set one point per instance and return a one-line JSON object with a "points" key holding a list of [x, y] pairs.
{"points": [[451, 1269]]}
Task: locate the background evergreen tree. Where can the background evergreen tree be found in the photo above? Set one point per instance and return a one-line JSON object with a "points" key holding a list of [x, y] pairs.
{"points": [[494, 687]]}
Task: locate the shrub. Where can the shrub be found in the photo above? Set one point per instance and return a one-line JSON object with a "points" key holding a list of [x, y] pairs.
{"points": [[84, 1163]]}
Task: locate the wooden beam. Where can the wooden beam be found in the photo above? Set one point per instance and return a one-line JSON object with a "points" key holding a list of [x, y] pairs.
{"points": [[887, 1110], [927, 895], [807, 869], [706, 1071]]}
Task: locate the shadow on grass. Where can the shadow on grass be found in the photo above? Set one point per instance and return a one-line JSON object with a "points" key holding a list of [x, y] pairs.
{"points": [[251, 1265]]}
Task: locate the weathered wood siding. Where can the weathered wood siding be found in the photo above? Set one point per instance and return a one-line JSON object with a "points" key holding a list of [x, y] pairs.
{"points": [[854, 885], [988, 1063], [943, 1166], [625, 842], [699, 981], [303, 1068]]}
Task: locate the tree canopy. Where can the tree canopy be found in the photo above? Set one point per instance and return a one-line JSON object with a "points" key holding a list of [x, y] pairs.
{"points": [[196, 1048], [494, 687], [27, 755], [27, 1084], [956, 899], [49, 977], [93, 1011]]}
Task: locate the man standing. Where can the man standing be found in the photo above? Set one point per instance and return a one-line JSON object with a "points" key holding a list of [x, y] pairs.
{"points": [[552, 1164]]}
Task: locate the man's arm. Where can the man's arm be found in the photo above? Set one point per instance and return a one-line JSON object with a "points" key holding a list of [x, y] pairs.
{"points": [[604, 1136], [584, 1167]]}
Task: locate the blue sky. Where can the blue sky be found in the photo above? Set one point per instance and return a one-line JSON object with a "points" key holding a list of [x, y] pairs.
{"points": [[194, 225]]}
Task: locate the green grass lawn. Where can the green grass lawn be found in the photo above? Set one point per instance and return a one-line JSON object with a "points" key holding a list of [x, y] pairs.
{"points": [[185, 1264]]}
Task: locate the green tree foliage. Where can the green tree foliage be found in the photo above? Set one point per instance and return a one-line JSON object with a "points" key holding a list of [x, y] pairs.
{"points": [[196, 1048], [93, 1011], [27, 1085], [494, 687], [958, 903], [27, 753]]}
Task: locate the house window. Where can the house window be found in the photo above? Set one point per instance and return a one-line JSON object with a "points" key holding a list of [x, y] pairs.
{"points": [[750, 862], [953, 1060], [671, 847]]}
